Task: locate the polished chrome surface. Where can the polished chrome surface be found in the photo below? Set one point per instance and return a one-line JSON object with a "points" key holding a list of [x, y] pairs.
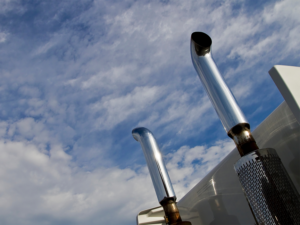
{"points": [[158, 171], [220, 95], [218, 198], [270, 192]]}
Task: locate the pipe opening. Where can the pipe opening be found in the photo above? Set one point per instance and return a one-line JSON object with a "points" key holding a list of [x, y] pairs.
{"points": [[202, 43], [201, 39]]}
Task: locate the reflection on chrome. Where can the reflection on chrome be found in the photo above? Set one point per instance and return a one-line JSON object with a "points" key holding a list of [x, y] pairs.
{"points": [[220, 95], [160, 177], [213, 184]]}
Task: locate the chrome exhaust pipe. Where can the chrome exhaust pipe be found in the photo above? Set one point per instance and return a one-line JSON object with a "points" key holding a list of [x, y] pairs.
{"points": [[230, 114], [159, 175], [271, 194]]}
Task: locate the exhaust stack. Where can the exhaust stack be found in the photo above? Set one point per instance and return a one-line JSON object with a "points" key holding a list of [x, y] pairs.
{"points": [[272, 196], [230, 114], [159, 175]]}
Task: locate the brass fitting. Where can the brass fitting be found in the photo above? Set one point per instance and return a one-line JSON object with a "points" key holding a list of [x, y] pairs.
{"points": [[243, 138], [172, 215]]}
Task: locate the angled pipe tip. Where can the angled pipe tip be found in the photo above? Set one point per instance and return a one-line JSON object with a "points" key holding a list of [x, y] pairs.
{"points": [[158, 171], [139, 132], [202, 43]]}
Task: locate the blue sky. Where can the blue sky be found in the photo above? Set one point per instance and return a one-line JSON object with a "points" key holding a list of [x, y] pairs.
{"points": [[78, 76]]}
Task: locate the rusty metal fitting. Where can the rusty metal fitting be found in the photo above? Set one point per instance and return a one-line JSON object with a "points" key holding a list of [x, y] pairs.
{"points": [[172, 215], [243, 138]]}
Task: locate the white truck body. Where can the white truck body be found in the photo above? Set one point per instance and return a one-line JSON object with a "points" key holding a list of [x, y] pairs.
{"points": [[218, 198]]}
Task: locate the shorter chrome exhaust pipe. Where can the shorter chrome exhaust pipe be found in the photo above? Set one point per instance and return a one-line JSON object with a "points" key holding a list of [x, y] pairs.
{"points": [[159, 175]]}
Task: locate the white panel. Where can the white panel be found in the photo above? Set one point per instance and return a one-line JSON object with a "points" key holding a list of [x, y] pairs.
{"points": [[154, 216], [287, 80]]}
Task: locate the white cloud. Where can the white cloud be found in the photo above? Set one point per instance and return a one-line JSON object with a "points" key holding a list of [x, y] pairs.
{"points": [[177, 113], [119, 108], [8, 5], [3, 37], [45, 187], [49, 189]]}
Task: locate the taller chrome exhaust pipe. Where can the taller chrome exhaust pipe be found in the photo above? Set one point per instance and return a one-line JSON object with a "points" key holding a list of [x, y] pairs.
{"points": [[271, 194], [230, 114], [220, 95], [159, 175]]}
